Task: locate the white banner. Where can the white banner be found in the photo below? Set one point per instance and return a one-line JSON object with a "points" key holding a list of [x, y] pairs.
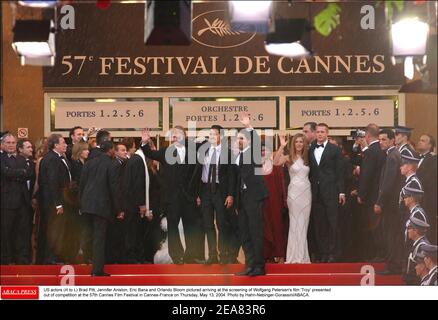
{"points": [[225, 113], [108, 115], [341, 114]]}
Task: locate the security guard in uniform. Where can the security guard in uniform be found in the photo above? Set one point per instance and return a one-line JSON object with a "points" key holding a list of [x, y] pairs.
{"points": [[417, 229], [420, 267], [430, 257]]}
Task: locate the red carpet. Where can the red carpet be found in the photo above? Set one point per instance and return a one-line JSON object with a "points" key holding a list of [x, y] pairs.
{"points": [[223, 275]]}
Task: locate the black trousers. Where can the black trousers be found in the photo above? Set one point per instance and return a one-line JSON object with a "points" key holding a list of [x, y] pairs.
{"points": [[181, 209], [134, 235], [96, 233], [115, 249], [393, 225], [51, 247], [212, 204], [250, 216], [16, 230], [324, 220]]}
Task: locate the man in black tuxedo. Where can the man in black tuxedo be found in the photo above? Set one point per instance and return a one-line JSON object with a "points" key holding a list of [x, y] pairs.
{"points": [[136, 195], [25, 149], [16, 216], [327, 180], [101, 137], [115, 252], [368, 191], [387, 202], [427, 172], [251, 193], [98, 191], [217, 193], [180, 178], [54, 182]]}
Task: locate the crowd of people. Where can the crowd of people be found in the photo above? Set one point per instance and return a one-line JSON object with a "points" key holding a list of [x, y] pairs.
{"points": [[314, 200]]}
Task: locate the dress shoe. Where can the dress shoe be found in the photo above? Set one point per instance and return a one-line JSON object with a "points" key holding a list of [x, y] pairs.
{"points": [[100, 274], [178, 261], [247, 272], [257, 272], [212, 260]]}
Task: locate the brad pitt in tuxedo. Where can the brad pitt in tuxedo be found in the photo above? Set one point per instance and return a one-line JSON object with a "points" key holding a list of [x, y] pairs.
{"points": [[327, 180]]}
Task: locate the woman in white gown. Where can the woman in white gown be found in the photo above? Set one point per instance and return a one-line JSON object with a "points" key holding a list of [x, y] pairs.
{"points": [[299, 196]]}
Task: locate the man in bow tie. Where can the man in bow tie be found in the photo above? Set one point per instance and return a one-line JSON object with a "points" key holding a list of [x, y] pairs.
{"points": [[327, 179], [54, 182]]}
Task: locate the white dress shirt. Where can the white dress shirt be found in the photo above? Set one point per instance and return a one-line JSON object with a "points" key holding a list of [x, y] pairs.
{"points": [[238, 159], [181, 153], [318, 152], [207, 162]]}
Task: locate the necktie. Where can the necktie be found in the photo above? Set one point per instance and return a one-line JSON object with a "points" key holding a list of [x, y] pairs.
{"points": [[240, 166], [212, 173], [28, 181], [319, 146]]}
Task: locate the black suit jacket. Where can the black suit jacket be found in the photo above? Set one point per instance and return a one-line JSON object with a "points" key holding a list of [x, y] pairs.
{"points": [[14, 174], [255, 183], [329, 175], [53, 180], [134, 188], [372, 163], [227, 169], [390, 180], [178, 178], [427, 173], [98, 187]]}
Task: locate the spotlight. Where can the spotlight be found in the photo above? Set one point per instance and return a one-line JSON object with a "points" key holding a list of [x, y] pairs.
{"points": [[256, 14], [37, 4], [409, 37], [291, 38], [168, 23], [34, 42]]}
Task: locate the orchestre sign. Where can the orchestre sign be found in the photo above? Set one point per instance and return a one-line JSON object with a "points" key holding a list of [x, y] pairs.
{"points": [[341, 114], [110, 115], [263, 113]]}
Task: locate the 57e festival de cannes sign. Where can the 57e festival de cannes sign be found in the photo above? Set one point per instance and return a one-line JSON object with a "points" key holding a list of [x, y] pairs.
{"points": [[111, 52]]}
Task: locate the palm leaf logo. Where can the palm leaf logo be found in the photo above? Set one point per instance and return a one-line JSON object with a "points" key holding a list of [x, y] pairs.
{"points": [[218, 27]]}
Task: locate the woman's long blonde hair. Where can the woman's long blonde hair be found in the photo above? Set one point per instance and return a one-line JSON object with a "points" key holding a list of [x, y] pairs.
{"points": [[293, 151]]}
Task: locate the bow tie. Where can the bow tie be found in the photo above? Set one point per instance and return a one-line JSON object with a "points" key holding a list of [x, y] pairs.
{"points": [[319, 145]]}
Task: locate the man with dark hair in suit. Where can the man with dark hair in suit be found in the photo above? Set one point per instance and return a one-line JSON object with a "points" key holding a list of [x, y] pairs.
{"points": [[135, 188], [427, 172], [327, 180], [180, 181], [77, 134], [115, 250], [16, 218], [25, 149], [368, 191], [99, 201], [54, 182], [217, 193], [387, 202], [252, 192], [101, 137]]}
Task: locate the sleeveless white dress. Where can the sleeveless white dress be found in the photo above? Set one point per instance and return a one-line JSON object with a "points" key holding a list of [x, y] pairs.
{"points": [[299, 201]]}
